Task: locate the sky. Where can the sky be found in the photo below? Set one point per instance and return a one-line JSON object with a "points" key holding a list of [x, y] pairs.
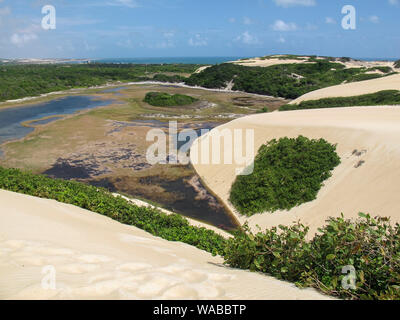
{"points": [[194, 28]]}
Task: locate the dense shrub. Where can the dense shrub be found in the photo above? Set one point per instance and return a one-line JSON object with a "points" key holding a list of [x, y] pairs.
{"points": [[287, 80], [169, 227], [161, 99], [18, 81], [370, 246], [387, 97], [397, 64], [287, 173]]}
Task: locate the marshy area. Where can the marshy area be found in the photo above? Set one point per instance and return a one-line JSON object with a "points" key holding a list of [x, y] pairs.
{"points": [[99, 138]]}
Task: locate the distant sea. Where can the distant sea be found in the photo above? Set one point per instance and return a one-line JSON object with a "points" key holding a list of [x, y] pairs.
{"points": [[169, 60]]}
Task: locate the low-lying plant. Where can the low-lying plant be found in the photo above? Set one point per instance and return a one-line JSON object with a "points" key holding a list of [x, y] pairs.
{"points": [[287, 172], [161, 99], [381, 98], [368, 248], [169, 227]]}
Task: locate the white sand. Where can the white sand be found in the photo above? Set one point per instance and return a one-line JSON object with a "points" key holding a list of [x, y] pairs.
{"points": [[95, 257], [258, 62], [371, 188], [274, 60], [353, 89]]}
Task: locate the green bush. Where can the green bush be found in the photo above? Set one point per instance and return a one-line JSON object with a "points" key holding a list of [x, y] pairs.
{"points": [[287, 173], [386, 97], [397, 64], [169, 227], [160, 99], [370, 246]]}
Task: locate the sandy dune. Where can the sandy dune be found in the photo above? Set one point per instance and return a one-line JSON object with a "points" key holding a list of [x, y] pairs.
{"points": [[93, 257], [274, 60], [258, 62], [353, 89], [372, 187]]}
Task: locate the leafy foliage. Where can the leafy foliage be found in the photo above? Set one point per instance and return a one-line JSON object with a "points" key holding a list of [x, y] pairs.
{"points": [[370, 246], [287, 80], [169, 227], [161, 99], [397, 64], [287, 173], [387, 97], [18, 81]]}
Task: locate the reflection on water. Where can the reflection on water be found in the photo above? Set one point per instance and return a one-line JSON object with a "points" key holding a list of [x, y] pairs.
{"points": [[11, 119]]}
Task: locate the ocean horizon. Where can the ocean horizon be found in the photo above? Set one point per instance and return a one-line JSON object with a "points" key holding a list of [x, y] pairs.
{"points": [[169, 60]]}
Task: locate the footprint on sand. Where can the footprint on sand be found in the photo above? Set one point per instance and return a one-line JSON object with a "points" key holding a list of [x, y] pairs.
{"points": [[78, 268], [181, 291], [92, 258], [134, 267], [154, 287]]}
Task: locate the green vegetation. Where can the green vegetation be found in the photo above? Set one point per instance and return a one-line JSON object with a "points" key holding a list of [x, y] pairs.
{"points": [[18, 81], [397, 64], [161, 99], [169, 227], [370, 247], [287, 173], [287, 80], [387, 97]]}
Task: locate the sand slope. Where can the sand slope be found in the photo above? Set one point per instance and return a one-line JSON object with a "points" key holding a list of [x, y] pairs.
{"points": [[97, 258], [371, 188], [353, 89]]}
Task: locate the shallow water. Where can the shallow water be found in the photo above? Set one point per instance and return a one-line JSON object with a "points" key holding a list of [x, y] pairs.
{"points": [[11, 119], [208, 210]]}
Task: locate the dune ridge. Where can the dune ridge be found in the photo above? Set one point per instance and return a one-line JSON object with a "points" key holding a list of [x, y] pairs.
{"points": [[94, 257], [353, 89], [367, 180]]}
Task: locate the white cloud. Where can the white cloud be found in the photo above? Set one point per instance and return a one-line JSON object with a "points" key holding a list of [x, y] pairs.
{"points": [[5, 11], [281, 39], [232, 20], [169, 34], [281, 25], [330, 20], [247, 38], [198, 41], [19, 39], [124, 3], [247, 21], [394, 2], [293, 3], [374, 19]]}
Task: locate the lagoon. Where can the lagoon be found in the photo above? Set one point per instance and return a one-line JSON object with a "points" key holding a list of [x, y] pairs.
{"points": [[12, 119]]}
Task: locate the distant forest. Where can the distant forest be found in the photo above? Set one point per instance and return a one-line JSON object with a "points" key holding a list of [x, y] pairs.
{"points": [[288, 81], [18, 81]]}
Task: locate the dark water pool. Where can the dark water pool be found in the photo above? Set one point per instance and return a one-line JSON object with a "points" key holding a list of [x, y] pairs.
{"points": [[11, 119]]}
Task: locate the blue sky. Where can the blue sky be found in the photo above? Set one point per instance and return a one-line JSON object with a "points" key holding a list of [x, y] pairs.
{"points": [[170, 28]]}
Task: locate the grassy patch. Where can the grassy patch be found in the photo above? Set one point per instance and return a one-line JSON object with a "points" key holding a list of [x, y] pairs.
{"points": [[387, 97], [287, 173]]}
